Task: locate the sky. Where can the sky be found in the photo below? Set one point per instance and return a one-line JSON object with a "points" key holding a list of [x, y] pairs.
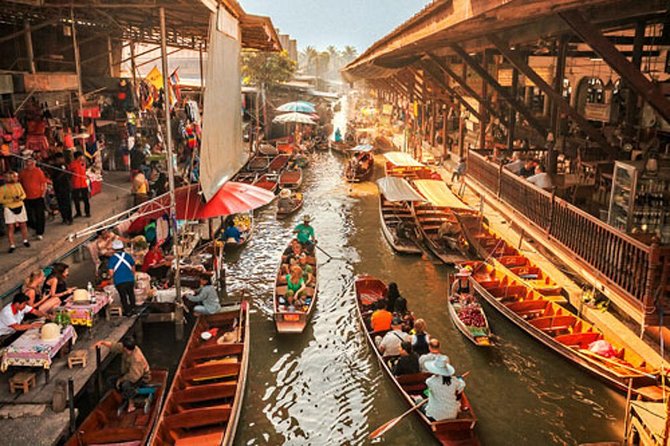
{"points": [[320, 23]]}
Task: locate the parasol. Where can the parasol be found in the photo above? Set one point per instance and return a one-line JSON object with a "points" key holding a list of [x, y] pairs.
{"points": [[293, 117], [297, 106]]}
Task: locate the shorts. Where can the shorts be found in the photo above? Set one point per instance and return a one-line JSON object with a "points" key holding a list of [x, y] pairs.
{"points": [[11, 217]]}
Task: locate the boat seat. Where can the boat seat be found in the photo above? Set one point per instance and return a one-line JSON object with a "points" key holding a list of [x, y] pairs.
{"points": [[112, 435], [206, 372], [206, 392], [581, 340], [414, 383], [553, 323], [213, 438], [214, 351], [193, 418]]}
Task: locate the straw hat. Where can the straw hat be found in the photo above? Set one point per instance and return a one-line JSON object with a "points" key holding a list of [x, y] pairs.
{"points": [[81, 295], [50, 332], [285, 193], [440, 366], [306, 218], [117, 244]]}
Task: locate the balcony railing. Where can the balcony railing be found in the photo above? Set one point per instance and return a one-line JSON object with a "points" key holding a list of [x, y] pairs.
{"points": [[632, 266]]}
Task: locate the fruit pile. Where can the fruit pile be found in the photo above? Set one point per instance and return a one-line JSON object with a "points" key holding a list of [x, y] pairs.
{"points": [[472, 316], [242, 221]]}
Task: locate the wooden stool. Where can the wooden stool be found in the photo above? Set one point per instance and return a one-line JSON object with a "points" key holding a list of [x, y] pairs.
{"points": [[23, 381], [77, 357], [114, 310]]}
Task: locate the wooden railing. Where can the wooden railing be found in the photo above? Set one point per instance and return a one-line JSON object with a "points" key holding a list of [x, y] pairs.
{"points": [[632, 266]]}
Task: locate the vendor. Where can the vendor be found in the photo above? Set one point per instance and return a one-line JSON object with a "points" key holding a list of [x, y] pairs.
{"points": [[155, 264], [206, 298], [135, 370], [11, 319], [285, 202], [232, 233]]}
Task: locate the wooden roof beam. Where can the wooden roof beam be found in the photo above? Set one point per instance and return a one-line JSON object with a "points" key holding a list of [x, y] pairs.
{"points": [[518, 62], [434, 73], [486, 77], [629, 72], [464, 85]]}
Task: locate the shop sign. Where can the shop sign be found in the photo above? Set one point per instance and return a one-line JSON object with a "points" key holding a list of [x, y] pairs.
{"points": [[42, 82], [598, 112], [6, 84]]}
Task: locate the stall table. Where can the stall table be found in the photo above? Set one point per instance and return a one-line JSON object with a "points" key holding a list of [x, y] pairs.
{"points": [[84, 314]]}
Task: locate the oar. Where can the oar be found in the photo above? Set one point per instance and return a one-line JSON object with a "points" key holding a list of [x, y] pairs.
{"points": [[381, 430], [607, 360], [328, 255]]}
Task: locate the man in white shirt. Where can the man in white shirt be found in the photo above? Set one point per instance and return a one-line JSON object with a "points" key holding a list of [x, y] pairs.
{"points": [[432, 355], [11, 317], [389, 345], [541, 179], [515, 164]]}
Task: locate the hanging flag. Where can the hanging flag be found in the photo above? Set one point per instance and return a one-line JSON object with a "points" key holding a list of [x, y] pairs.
{"points": [[155, 78], [174, 82]]}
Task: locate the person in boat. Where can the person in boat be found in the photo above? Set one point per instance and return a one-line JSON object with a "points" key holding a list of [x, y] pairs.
{"points": [[406, 230], [155, 263], [408, 362], [381, 318], [392, 294], [307, 270], [433, 354], [305, 234], [462, 283], [206, 298], [296, 285], [285, 202], [389, 345], [420, 338], [232, 234], [11, 318], [364, 162], [447, 231], [338, 135], [444, 390], [135, 370], [293, 256]]}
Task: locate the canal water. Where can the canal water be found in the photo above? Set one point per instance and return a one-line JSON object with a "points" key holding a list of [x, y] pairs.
{"points": [[324, 387]]}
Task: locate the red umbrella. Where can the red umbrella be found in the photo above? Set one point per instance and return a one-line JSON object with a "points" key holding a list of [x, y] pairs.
{"points": [[232, 198]]}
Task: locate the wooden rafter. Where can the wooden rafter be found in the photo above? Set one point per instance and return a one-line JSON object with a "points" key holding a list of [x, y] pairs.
{"points": [[435, 75]]}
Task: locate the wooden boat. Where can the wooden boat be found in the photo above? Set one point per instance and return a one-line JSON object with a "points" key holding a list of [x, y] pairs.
{"points": [[478, 333], [205, 399], [294, 321], [395, 213], [403, 165], [362, 170], [279, 163], [298, 200], [459, 431], [488, 245], [245, 223], [341, 147], [268, 181], [245, 177], [104, 427], [258, 163], [562, 331], [290, 179]]}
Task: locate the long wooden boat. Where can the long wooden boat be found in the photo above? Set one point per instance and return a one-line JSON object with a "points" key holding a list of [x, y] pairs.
{"points": [[403, 165], [563, 332], [341, 147], [205, 399], [279, 163], [470, 319], [289, 320], [104, 426], [356, 173], [488, 245], [245, 177], [290, 179], [456, 432], [395, 213], [258, 163], [268, 181], [429, 219], [245, 223], [298, 200]]}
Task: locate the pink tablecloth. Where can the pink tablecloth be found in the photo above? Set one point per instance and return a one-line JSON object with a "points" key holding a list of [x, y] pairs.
{"points": [[84, 314], [30, 351]]}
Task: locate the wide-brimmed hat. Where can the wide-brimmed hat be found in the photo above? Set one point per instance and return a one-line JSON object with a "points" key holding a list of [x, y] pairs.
{"points": [[306, 218], [285, 193], [440, 366], [117, 244]]}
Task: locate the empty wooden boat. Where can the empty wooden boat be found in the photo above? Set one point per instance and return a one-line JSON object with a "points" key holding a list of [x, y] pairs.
{"points": [[395, 213], [488, 245], [456, 432], [435, 218], [205, 399], [564, 332], [245, 177], [401, 164], [258, 163], [104, 426], [290, 179], [268, 181], [289, 319], [279, 163]]}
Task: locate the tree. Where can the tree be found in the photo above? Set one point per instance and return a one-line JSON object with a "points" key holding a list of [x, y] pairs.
{"points": [[334, 57], [267, 69], [309, 59], [349, 53]]}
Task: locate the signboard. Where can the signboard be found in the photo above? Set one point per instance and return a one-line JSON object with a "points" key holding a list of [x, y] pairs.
{"points": [[6, 84], [505, 76], [598, 112], [42, 82]]}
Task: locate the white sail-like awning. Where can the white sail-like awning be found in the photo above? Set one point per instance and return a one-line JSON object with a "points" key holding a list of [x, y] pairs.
{"points": [[402, 159], [438, 194], [398, 189]]}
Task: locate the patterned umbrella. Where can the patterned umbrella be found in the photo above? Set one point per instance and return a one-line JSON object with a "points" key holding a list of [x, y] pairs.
{"points": [[297, 106]]}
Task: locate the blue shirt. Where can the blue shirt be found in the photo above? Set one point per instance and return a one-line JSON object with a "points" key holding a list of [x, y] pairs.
{"points": [[122, 273], [232, 232]]}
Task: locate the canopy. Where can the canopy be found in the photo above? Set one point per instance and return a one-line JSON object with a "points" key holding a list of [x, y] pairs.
{"points": [[402, 159], [438, 194], [297, 106], [652, 416], [398, 189], [293, 117], [231, 198], [362, 148]]}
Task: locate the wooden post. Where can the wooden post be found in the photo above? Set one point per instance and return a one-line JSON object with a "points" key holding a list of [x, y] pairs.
{"points": [[110, 56], [179, 309], [98, 371], [484, 121], [559, 75], [77, 64], [201, 65], [445, 114], [29, 47], [461, 134], [651, 283], [70, 403], [638, 46], [511, 118]]}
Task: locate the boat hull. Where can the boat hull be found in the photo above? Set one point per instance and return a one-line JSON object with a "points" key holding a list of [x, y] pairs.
{"points": [[480, 341], [389, 229]]}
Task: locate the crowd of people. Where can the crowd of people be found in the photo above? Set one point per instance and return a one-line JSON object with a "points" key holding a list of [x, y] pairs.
{"points": [[529, 168], [297, 271]]}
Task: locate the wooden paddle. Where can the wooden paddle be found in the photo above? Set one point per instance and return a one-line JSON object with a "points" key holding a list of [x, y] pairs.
{"points": [[585, 352], [381, 430]]}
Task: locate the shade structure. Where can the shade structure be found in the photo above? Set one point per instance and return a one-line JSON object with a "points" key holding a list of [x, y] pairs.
{"points": [[402, 159], [398, 189], [293, 117], [297, 106], [231, 198], [438, 194]]}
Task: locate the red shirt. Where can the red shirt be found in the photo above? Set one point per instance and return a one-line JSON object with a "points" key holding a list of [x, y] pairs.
{"points": [[151, 259], [34, 182], [78, 169]]}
